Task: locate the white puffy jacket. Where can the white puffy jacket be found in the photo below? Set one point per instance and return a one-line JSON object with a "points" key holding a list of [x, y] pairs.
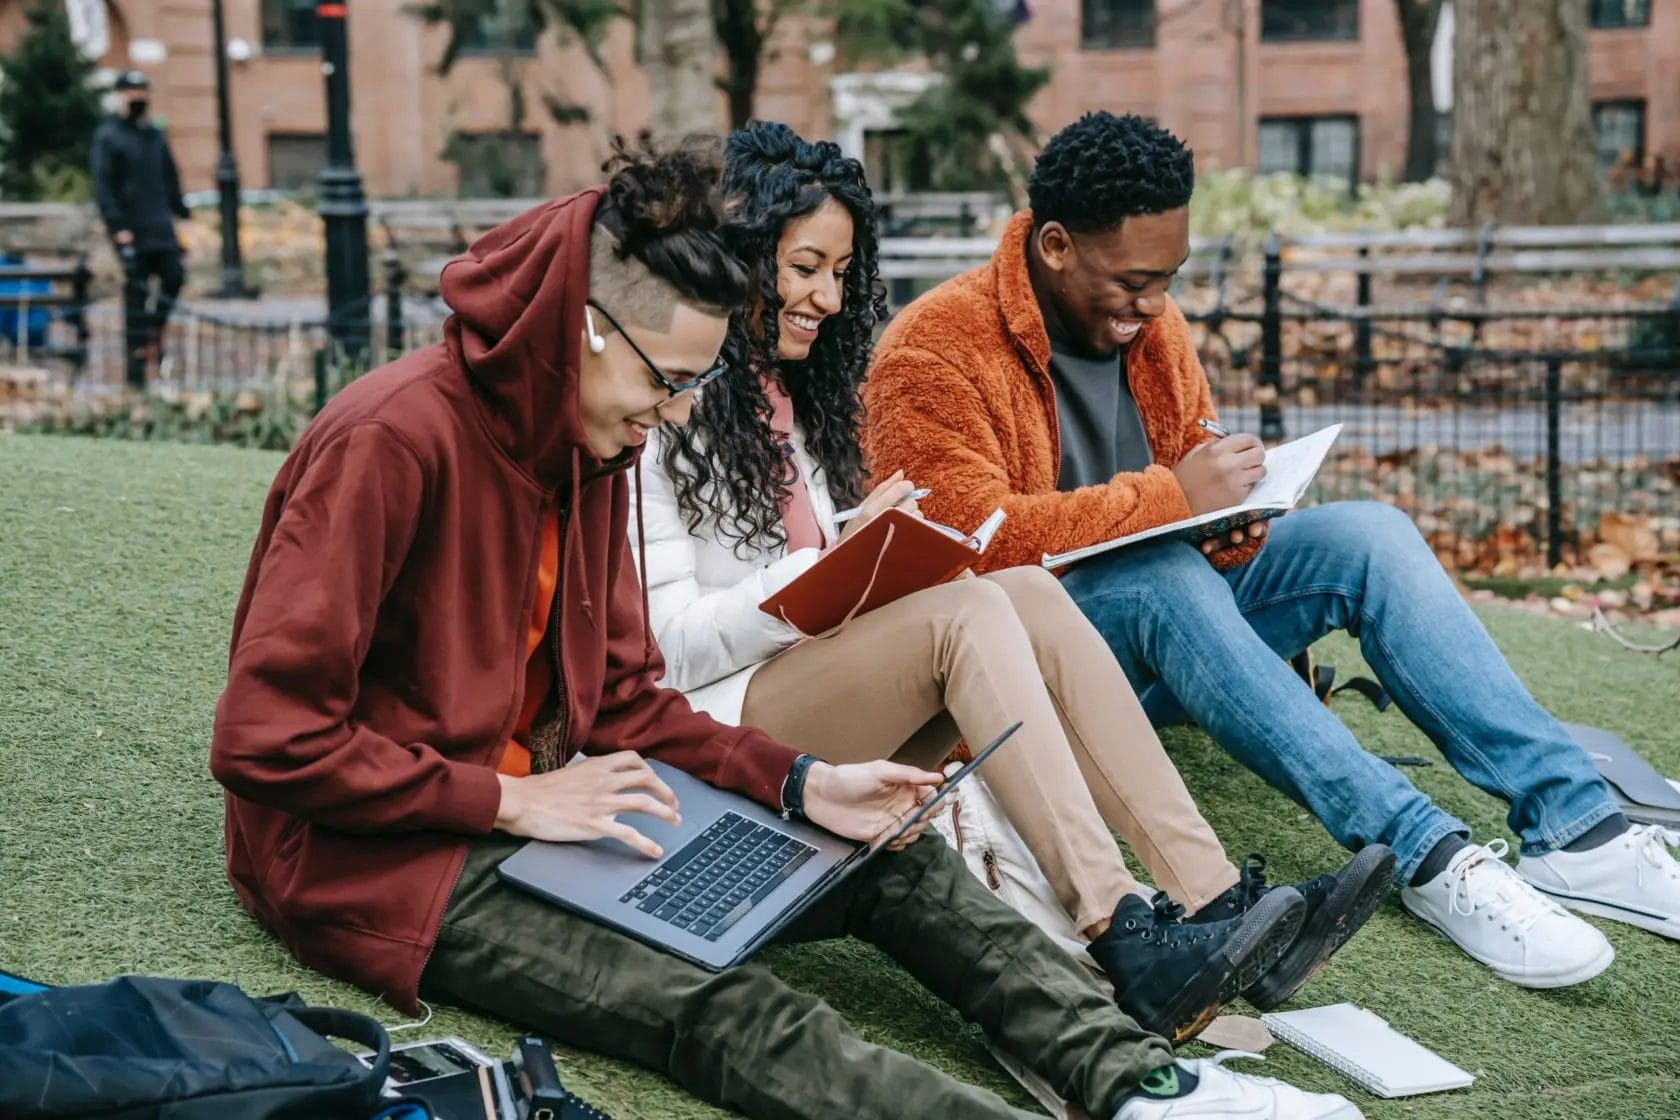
{"points": [[703, 597], [703, 600]]}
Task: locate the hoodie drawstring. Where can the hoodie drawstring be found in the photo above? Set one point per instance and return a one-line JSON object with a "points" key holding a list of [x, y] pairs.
{"points": [[574, 541], [641, 571]]}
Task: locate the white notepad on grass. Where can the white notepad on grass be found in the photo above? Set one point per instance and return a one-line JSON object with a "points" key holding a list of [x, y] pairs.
{"points": [[1367, 1051]]}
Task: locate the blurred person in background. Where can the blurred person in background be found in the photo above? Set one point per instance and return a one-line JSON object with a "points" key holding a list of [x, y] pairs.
{"points": [[139, 194]]}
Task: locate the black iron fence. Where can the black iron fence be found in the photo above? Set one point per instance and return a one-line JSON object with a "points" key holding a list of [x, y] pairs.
{"points": [[1512, 435], [260, 347], [1513, 423]]}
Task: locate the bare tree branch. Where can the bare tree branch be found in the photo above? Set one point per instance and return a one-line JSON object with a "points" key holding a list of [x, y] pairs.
{"points": [[1603, 625]]}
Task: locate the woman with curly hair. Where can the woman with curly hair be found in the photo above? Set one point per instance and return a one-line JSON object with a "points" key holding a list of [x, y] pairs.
{"points": [[742, 500]]}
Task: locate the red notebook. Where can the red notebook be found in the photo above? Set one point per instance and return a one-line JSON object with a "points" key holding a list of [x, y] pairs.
{"points": [[894, 555]]}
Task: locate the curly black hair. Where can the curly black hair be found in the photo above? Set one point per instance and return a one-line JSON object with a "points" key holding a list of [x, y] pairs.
{"points": [[1102, 169], [726, 464], [665, 206]]}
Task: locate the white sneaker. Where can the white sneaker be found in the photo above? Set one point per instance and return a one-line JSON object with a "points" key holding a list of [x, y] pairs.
{"points": [[1223, 1095], [1631, 879], [1484, 907]]}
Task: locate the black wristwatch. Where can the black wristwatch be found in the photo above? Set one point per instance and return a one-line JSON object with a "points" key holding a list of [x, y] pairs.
{"points": [[793, 787]]}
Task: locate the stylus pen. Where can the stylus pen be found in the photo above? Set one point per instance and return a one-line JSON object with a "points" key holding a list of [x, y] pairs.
{"points": [[846, 515]]}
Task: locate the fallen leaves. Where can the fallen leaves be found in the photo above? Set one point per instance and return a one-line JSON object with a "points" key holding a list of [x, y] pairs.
{"points": [[1633, 537], [1611, 560]]}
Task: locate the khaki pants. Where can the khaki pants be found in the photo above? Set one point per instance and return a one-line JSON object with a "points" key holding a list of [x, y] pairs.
{"points": [[967, 659]]}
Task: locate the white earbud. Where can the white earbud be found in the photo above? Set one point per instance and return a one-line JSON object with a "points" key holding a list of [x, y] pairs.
{"points": [[596, 342]]}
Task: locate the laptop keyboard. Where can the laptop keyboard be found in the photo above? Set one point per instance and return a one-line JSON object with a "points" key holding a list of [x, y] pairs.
{"points": [[716, 878]]}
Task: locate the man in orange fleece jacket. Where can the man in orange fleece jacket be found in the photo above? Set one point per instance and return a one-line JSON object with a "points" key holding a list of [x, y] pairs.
{"points": [[1060, 382]]}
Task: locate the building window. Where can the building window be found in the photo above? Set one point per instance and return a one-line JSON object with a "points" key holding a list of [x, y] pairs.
{"points": [[497, 164], [1294, 21], [1116, 24], [1316, 146], [1619, 13], [1620, 129], [295, 159], [505, 25], [289, 25]]}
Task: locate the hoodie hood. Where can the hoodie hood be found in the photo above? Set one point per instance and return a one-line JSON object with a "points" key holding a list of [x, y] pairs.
{"points": [[516, 298]]}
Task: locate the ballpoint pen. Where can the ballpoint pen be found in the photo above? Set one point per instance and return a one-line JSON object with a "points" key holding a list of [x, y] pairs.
{"points": [[846, 515]]}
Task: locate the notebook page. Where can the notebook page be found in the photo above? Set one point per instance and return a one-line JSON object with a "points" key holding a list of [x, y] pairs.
{"points": [[1365, 1049], [988, 529], [1290, 468], [980, 538]]}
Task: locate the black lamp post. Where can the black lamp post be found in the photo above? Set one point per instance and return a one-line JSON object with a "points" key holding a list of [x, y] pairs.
{"points": [[227, 174], [343, 205]]}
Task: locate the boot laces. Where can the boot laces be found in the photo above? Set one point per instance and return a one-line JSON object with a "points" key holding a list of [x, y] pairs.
{"points": [[1169, 929]]}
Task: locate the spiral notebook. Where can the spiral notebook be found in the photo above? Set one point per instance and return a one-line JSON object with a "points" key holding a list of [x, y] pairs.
{"points": [[1290, 469], [1367, 1051]]}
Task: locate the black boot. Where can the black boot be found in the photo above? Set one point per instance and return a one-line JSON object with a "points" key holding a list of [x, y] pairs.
{"points": [[1173, 977], [1338, 903]]}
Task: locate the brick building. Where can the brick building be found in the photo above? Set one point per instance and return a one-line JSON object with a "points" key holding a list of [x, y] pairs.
{"points": [[1311, 85]]}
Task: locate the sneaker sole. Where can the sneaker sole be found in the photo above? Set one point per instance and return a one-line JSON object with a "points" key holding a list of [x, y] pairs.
{"points": [[1567, 979], [1268, 930], [1362, 886], [1666, 927]]}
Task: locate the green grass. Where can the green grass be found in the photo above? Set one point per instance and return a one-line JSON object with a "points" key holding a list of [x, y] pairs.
{"points": [[1547, 587], [119, 567]]}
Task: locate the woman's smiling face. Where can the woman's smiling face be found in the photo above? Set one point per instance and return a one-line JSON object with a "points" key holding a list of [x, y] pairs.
{"points": [[811, 261]]}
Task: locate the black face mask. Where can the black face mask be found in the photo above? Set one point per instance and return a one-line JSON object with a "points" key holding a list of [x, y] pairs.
{"points": [[136, 109]]}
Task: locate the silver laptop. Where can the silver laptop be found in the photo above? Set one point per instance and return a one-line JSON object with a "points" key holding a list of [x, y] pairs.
{"points": [[734, 873]]}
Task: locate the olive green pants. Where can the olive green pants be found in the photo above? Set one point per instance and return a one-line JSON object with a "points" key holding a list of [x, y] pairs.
{"points": [[745, 1040]]}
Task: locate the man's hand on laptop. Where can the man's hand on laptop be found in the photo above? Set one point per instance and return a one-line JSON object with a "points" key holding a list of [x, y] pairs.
{"points": [[582, 802], [862, 801], [1220, 474]]}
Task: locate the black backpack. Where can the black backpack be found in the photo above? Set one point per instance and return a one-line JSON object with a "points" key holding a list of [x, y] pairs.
{"points": [[143, 1048]]}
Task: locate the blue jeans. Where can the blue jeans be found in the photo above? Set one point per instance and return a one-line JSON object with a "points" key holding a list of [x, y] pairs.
{"points": [[1213, 646]]}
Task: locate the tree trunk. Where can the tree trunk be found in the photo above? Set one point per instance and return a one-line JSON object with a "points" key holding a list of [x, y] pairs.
{"points": [[742, 90], [1418, 22], [1522, 139], [678, 57], [738, 30]]}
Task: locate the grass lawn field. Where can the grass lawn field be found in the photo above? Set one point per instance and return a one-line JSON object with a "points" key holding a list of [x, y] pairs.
{"points": [[119, 568]]}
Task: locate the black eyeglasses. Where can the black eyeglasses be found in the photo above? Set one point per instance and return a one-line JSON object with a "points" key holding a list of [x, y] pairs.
{"points": [[671, 388]]}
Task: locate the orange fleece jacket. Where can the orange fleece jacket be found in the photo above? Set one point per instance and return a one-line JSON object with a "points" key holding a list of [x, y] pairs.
{"points": [[959, 397]]}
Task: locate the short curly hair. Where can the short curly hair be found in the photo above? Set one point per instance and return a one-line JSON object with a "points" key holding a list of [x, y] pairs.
{"points": [[1102, 169]]}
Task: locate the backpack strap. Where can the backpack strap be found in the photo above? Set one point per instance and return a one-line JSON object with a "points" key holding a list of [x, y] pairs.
{"points": [[1366, 687], [355, 1027], [1322, 680]]}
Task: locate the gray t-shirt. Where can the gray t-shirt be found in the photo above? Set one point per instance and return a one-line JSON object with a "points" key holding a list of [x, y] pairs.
{"points": [[1102, 431]]}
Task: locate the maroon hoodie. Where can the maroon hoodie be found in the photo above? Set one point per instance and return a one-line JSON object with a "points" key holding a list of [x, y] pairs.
{"points": [[378, 649]]}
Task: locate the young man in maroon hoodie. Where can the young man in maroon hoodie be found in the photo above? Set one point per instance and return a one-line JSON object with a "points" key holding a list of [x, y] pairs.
{"points": [[442, 610]]}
